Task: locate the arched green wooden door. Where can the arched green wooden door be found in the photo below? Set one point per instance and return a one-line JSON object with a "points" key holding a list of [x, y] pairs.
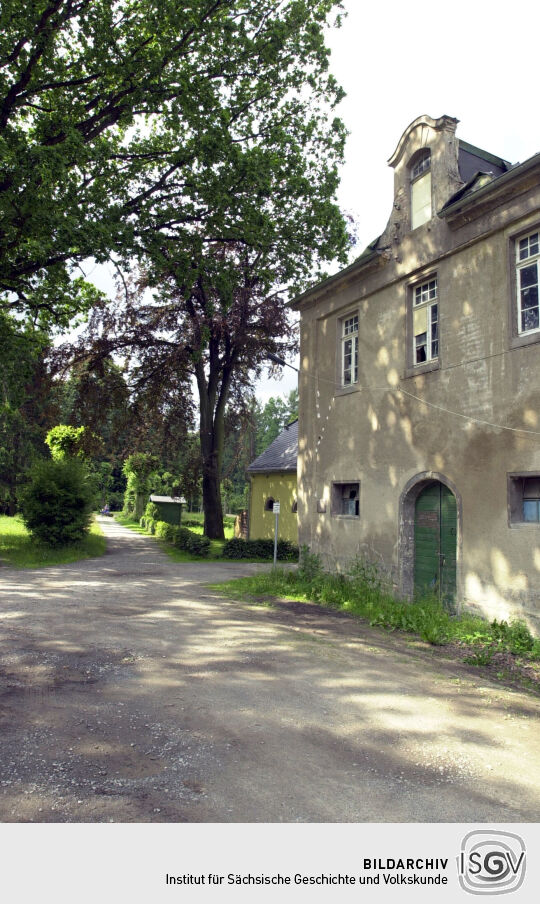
{"points": [[435, 534]]}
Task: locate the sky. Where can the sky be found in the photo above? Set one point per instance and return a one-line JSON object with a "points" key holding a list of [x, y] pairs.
{"points": [[396, 61], [399, 60]]}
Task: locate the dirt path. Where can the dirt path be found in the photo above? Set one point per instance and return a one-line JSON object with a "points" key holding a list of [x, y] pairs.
{"points": [[131, 692]]}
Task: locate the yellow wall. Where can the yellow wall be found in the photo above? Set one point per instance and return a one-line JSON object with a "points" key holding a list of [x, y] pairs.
{"points": [[282, 488]]}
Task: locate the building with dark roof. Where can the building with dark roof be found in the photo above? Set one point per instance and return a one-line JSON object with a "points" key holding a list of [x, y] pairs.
{"points": [[419, 432], [273, 479]]}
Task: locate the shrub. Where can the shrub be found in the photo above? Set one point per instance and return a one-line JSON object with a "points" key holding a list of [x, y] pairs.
{"points": [[143, 521], [151, 510], [181, 537], [259, 549], [310, 565], [151, 525], [56, 504], [165, 531], [198, 545], [191, 522]]}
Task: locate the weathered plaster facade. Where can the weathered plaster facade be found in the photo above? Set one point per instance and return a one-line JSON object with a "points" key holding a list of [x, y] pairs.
{"points": [[468, 418]]}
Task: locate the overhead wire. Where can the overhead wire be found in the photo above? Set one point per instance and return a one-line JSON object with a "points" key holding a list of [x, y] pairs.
{"points": [[442, 408]]}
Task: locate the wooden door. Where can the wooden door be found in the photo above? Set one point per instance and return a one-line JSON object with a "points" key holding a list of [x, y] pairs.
{"points": [[435, 534]]}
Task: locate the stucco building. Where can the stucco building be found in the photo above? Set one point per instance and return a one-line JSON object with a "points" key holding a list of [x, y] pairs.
{"points": [[273, 479], [419, 425]]}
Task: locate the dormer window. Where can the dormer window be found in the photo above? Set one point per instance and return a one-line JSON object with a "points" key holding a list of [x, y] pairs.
{"points": [[421, 189]]}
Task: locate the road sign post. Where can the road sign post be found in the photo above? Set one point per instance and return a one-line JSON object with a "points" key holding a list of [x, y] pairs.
{"points": [[276, 513]]}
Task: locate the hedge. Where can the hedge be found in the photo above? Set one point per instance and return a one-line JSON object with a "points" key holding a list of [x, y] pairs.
{"points": [[259, 549]]}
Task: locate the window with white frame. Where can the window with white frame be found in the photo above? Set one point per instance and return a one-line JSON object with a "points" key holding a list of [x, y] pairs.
{"points": [[527, 262], [349, 350], [425, 322], [421, 190]]}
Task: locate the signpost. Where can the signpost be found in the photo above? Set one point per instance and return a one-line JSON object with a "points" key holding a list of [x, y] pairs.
{"points": [[276, 513]]}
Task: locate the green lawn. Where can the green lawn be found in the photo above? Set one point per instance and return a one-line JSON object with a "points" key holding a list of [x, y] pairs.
{"points": [[228, 524], [19, 549]]}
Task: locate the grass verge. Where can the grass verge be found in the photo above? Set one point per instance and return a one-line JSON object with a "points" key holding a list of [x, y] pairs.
{"points": [[19, 549], [506, 649]]}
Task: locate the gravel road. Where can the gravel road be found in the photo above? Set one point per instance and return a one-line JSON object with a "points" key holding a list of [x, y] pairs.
{"points": [[131, 692]]}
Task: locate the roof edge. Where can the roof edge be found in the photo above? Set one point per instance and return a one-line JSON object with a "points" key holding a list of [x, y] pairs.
{"points": [[485, 155], [367, 257], [492, 187], [443, 122]]}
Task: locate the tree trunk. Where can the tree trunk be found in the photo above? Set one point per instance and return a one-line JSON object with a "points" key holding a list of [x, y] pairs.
{"points": [[211, 430], [213, 512], [213, 395]]}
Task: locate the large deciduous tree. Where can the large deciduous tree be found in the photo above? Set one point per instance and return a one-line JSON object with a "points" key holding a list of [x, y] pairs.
{"points": [[125, 124], [215, 331], [234, 229]]}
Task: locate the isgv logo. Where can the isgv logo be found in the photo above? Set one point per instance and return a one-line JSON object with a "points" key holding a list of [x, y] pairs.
{"points": [[491, 863]]}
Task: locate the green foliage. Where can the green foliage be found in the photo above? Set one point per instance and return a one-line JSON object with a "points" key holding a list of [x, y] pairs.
{"points": [[64, 440], [151, 510], [310, 565], [274, 416], [181, 537], [56, 504], [26, 404], [198, 545], [482, 656], [239, 100], [259, 549], [185, 539], [96, 394], [164, 531], [138, 469]]}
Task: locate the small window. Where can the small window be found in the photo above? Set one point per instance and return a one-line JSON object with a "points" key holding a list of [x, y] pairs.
{"points": [[349, 351], [531, 499], [527, 259], [425, 322], [421, 190], [294, 507], [346, 499], [269, 505], [524, 498]]}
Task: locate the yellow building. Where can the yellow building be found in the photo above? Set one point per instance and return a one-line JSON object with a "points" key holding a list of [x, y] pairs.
{"points": [[273, 479]]}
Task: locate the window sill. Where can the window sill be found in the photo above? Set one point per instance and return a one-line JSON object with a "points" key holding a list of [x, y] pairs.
{"points": [[346, 390], [521, 341], [523, 525], [419, 369], [346, 517]]}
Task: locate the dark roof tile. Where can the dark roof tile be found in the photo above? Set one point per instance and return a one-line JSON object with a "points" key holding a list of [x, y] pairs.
{"points": [[281, 454]]}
